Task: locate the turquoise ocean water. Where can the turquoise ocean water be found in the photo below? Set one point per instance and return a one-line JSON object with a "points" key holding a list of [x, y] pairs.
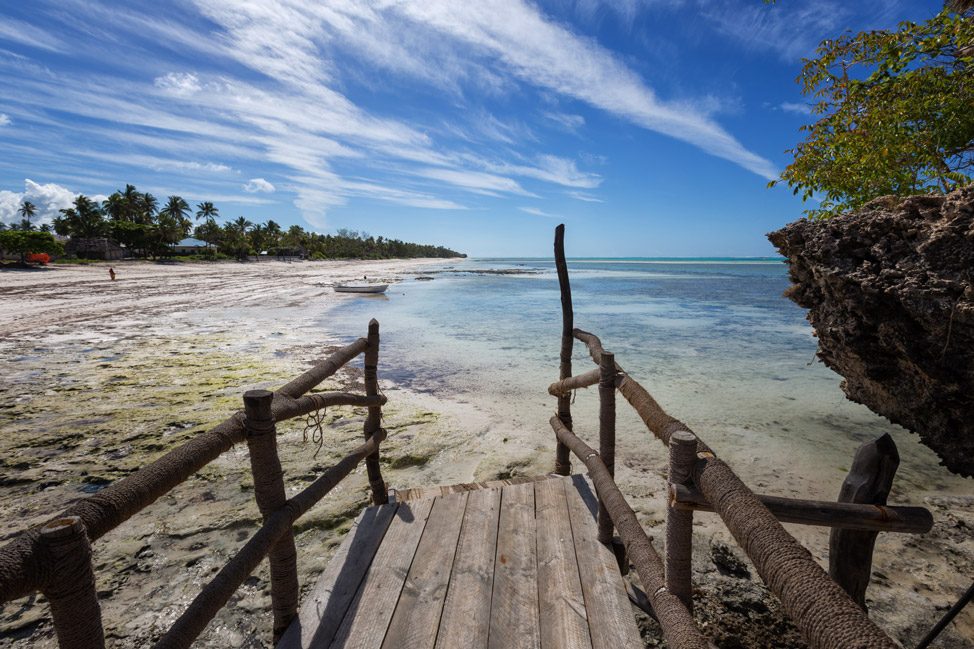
{"points": [[712, 339]]}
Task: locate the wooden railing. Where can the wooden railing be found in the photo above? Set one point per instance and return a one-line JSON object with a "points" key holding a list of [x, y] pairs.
{"points": [[829, 610], [55, 558]]}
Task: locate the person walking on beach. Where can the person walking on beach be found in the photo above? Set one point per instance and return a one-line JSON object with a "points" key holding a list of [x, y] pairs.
{"points": [[111, 273]]}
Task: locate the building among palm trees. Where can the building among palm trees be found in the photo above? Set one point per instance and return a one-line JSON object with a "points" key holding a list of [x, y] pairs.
{"points": [[192, 247], [94, 248]]}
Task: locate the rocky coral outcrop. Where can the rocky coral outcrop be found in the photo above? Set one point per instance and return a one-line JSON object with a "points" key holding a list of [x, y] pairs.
{"points": [[889, 292]]}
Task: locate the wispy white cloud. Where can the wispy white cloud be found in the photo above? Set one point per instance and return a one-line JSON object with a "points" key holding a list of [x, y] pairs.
{"points": [[258, 185], [5, 119], [582, 196], [475, 181], [790, 29], [546, 54], [566, 121], [18, 31], [538, 212], [180, 84], [552, 169], [271, 89], [798, 109]]}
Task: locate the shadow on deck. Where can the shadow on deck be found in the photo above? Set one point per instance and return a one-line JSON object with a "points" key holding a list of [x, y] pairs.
{"points": [[517, 565]]}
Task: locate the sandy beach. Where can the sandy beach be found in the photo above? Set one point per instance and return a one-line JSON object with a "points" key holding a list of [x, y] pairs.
{"points": [[101, 377]]}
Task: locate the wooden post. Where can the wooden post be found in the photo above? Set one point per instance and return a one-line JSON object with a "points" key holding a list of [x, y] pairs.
{"points": [[679, 523], [270, 495], [562, 459], [71, 591], [380, 496], [607, 433], [868, 482]]}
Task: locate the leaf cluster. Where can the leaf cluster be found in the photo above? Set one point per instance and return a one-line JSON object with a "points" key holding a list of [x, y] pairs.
{"points": [[896, 115], [26, 242]]}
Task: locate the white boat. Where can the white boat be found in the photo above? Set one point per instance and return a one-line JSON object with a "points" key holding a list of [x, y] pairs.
{"points": [[365, 288]]}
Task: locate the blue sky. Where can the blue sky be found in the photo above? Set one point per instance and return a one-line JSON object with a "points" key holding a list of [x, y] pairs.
{"points": [[649, 127]]}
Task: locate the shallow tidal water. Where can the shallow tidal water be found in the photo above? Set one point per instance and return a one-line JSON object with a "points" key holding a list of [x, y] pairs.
{"points": [[714, 342]]}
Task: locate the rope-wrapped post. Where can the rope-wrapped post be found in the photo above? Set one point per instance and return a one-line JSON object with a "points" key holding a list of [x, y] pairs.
{"points": [[562, 455], [679, 523], [607, 434], [71, 588], [678, 626], [269, 493], [374, 419], [826, 615]]}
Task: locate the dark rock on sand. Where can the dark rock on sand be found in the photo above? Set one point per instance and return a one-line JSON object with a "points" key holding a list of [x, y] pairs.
{"points": [[889, 292]]}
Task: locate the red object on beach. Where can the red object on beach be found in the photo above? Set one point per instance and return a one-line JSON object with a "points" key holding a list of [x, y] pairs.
{"points": [[41, 257]]}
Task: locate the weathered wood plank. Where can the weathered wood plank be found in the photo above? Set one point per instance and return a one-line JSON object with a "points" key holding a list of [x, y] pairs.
{"points": [[416, 493], [869, 481], [365, 624], [564, 624], [610, 615], [466, 613], [325, 607], [841, 515], [417, 614], [514, 621]]}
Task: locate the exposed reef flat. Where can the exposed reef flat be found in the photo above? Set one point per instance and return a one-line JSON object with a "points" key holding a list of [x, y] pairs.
{"points": [[99, 378]]}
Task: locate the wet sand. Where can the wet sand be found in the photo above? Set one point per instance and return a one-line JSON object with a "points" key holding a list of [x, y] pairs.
{"points": [[101, 377]]}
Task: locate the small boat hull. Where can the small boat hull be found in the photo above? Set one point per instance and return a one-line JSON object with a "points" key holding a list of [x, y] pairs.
{"points": [[368, 288]]}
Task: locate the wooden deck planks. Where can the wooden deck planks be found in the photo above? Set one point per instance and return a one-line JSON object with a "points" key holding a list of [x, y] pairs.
{"points": [[466, 613], [369, 615], [329, 600], [610, 615], [514, 620], [402, 495], [495, 568], [417, 616], [564, 624]]}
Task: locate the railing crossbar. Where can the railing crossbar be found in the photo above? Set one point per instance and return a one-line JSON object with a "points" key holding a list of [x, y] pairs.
{"points": [[219, 590]]}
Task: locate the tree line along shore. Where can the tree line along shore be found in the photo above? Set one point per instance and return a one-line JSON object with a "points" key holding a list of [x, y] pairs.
{"points": [[135, 222]]}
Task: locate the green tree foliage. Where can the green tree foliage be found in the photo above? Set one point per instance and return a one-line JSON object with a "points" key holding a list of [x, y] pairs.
{"points": [[207, 211], [27, 242], [132, 218], [27, 212], [896, 114]]}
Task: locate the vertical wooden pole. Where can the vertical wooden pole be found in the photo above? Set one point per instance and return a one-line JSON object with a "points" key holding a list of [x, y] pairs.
{"points": [[374, 419], [868, 482], [607, 433], [562, 459], [270, 495], [74, 600], [679, 523]]}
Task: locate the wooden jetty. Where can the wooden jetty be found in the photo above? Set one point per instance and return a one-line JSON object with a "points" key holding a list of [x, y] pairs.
{"points": [[515, 565], [536, 562]]}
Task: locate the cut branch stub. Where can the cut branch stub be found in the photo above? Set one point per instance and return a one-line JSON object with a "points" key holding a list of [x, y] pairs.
{"points": [[869, 482]]}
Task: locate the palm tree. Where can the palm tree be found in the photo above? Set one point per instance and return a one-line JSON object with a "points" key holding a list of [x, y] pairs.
{"points": [[147, 206], [242, 225], [206, 211], [27, 211], [84, 221], [176, 207], [116, 207]]}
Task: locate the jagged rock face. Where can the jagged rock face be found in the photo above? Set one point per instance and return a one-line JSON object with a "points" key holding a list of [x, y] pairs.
{"points": [[889, 292]]}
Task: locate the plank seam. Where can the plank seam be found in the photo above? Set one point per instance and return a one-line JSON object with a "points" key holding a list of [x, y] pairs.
{"points": [[453, 563], [411, 559]]}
